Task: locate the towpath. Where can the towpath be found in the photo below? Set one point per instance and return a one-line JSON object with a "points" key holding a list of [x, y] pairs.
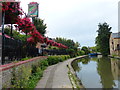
{"points": [[56, 76]]}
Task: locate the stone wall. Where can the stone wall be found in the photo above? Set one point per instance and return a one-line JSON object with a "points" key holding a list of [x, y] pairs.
{"points": [[113, 46], [7, 71]]}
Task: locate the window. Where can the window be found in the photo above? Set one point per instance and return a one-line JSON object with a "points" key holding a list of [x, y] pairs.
{"points": [[118, 46]]}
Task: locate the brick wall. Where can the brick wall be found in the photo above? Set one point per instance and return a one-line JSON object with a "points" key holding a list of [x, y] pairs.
{"points": [[113, 46], [6, 71]]}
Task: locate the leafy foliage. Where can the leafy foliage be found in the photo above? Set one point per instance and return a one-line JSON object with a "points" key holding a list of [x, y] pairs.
{"points": [[40, 26], [31, 75], [72, 46], [55, 59], [81, 52], [93, 49], [102, 40], [85, 49], [15, 34]]}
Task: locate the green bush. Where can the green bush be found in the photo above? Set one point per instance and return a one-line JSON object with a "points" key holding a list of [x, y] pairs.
{"points": [[71, 52], [26, 58], [81, 52], [43, 64], [35, 77], [30, 76], [20, 80], [55, 59]]}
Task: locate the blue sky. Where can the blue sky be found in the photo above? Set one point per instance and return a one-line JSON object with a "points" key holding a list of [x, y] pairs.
{"points": [[76, 19]]}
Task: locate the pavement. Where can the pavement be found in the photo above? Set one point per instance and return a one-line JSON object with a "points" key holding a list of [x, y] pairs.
{"points": [[56, 76]]}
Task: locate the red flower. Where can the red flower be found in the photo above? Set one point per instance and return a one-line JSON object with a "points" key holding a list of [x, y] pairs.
{"points": [[31, 40]]}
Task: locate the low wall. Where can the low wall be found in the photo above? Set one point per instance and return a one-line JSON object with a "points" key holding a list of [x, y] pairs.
{"points": [[7, 71]]}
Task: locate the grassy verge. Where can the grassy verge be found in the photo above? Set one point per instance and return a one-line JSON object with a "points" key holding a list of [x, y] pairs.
{"points": [[73, 79], [28, 77], [76, 83]]}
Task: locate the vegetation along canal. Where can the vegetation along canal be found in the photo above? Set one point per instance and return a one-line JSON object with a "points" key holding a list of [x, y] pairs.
{"points": [[98, 72]]}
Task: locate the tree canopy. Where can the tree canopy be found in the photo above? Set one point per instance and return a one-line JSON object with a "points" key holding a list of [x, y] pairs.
{"points": [[68, 42], [102, 40], [72, 46], [85, 49], [40, 26]]}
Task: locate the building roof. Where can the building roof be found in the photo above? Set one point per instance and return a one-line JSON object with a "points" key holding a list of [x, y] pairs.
{"points": [[116, 35]]}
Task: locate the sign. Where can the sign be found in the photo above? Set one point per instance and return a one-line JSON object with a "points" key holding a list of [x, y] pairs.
{"points": [[33, 9]]}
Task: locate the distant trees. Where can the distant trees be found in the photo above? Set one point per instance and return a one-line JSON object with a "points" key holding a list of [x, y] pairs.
{"points": [[40, 26], [93, 49], [85, 49], [102, 40], [72, 46], [68, 42]]}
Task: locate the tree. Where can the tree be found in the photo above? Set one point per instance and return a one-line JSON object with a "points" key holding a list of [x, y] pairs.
{"points": [[93, 49], [85, 49], [72, 46], [40, 26], [68, 42], [102, 40], [15, 34]]}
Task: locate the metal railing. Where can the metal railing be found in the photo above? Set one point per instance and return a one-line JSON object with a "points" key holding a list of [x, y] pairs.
{"points": [[16, 49]]}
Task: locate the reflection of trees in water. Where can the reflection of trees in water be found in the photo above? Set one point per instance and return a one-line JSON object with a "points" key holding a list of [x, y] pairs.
{"points": [[75, 66], [94, 59], [104, 70], [85, 60]]}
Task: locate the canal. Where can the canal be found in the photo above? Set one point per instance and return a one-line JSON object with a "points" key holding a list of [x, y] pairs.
{"points": [[98, 72]]}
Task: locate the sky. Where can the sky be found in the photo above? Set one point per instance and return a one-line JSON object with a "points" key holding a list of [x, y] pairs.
{"points": [[76, 19]]}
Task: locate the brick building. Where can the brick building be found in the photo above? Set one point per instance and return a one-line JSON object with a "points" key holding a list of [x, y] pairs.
{"points": [[115, 44]]}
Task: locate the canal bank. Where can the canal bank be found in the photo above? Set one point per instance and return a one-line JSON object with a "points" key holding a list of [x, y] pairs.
{"points": [[57, 76], [117, 57]]}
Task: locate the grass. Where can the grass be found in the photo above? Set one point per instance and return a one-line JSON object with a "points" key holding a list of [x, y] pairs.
{"points": [[73, 79], [28, 77]]}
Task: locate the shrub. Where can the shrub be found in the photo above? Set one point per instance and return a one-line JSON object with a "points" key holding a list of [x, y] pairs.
{"points": [[71, 52], [81, 52], [26, 58], [55, 59], [35, 77], [20, 80], [43, 64], [31, 75]]}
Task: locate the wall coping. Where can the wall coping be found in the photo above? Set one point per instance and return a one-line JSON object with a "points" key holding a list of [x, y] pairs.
{"points": [[14, 64]]}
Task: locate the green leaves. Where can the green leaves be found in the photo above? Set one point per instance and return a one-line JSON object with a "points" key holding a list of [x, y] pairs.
{"points": [[102, 40], [85, 49], [40, 26], [55, 59]]}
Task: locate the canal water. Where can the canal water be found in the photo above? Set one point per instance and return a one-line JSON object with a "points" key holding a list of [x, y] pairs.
{"points": [[98, 72]]}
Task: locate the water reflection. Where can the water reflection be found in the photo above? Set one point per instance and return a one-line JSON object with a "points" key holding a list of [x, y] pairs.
{"points": [[103, 72]]}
